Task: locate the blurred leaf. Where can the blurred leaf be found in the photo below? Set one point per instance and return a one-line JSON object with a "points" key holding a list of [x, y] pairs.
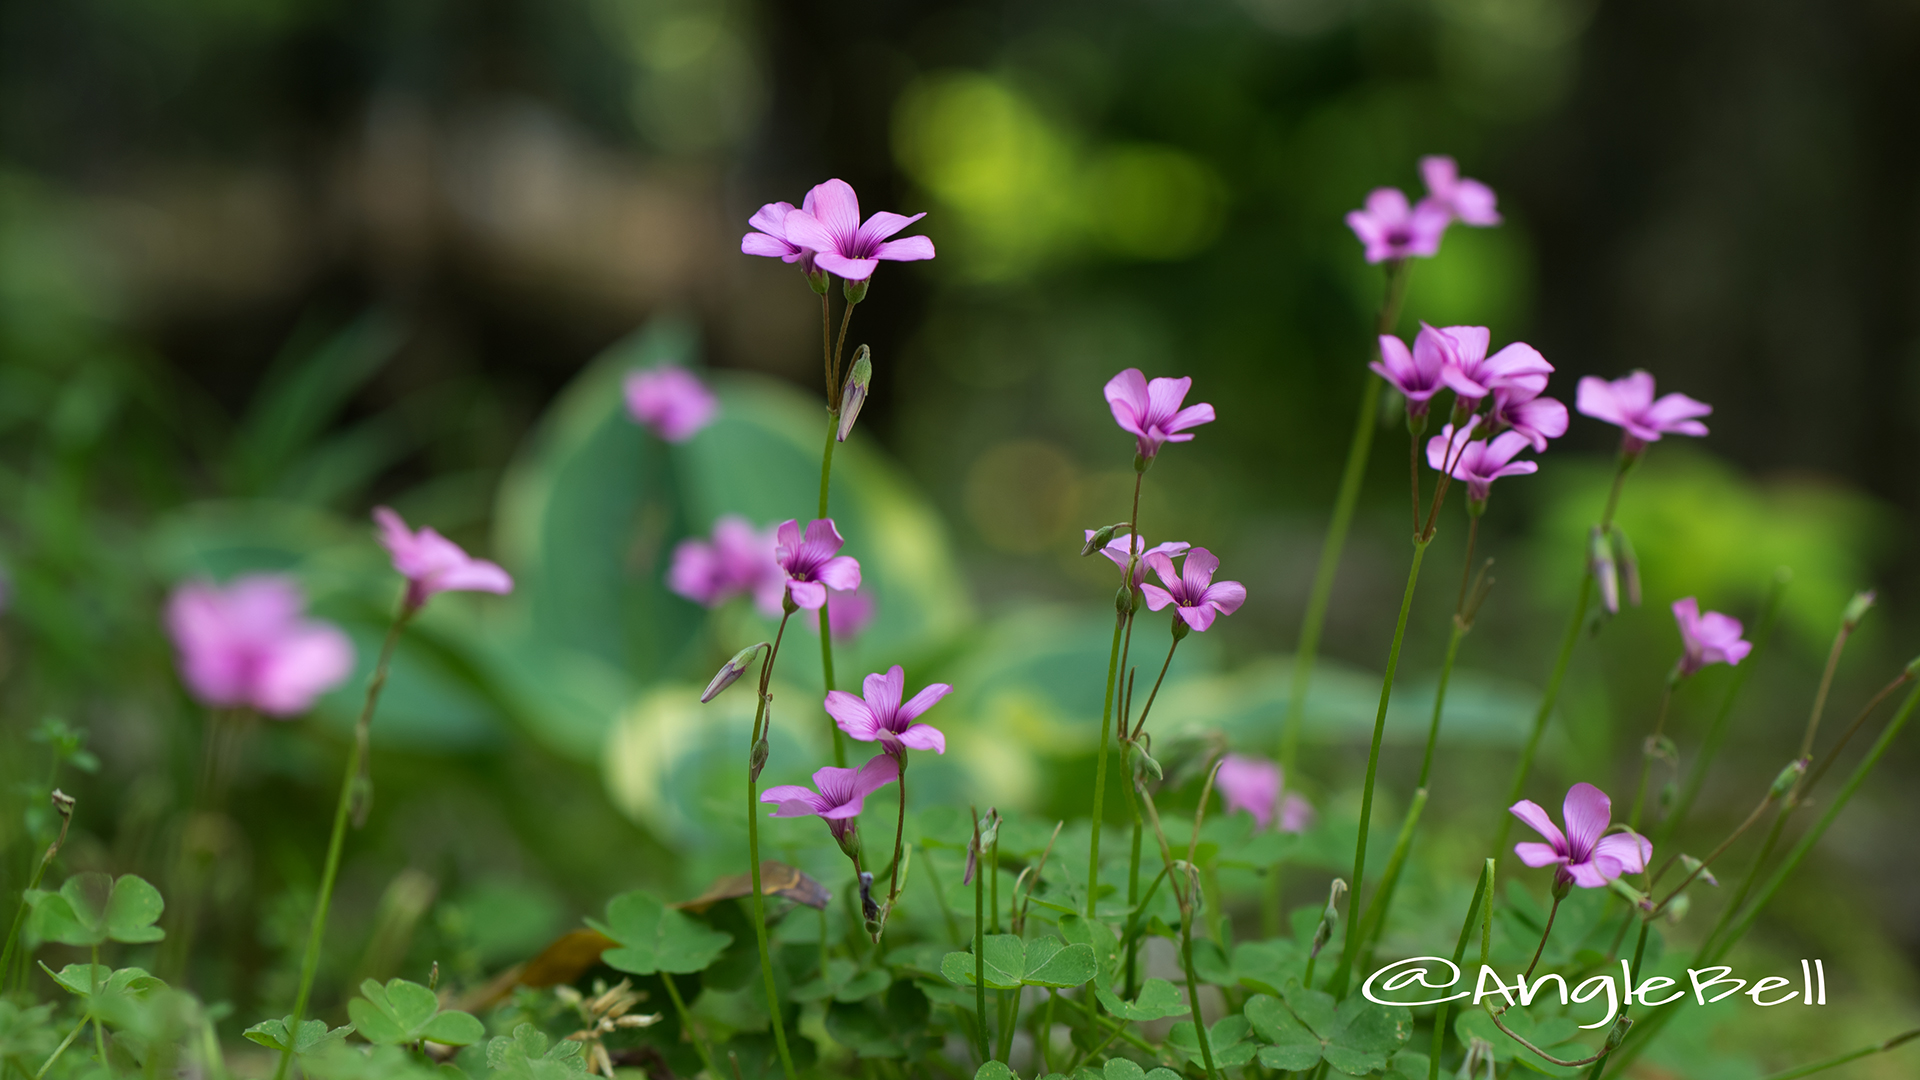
{"points": [[1003, 963], [403, 1012], [525, 1055], [1228, 1039], [1158, 998], [1304, 1026], [306, 388], [314, 1035], [654, 937], [92, 908], [1555, 1035]]}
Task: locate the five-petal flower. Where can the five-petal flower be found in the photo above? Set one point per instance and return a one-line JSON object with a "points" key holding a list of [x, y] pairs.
{"points": [[1116, 550], [1258, 786], [1629, 403], [829, 224], [431, 563], [739, 559], [1585, 855], [841, 795], [880, 716], [1708, 638], [1193, 592], [1152, 411], [813, 564], [670, 402], [250, 645], [1469, 201], [1481, 461], [1391, 229]]}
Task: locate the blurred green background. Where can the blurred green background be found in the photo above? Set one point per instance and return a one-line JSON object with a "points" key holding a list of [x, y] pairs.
{"points": [[266, 264]]}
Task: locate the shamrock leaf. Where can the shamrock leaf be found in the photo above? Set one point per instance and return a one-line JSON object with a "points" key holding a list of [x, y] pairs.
{"points": [[1158, 998], [525, 1055], [1407, 1065], [1078, 930], [1305, 1026], [1004, 960], [995, 1070], [1122, 1069], [1554, 1035], [313, 1036], [92, 908], [403, 1012], [1229, 1039], [84, 980], [654, 937], [1048, 962]]}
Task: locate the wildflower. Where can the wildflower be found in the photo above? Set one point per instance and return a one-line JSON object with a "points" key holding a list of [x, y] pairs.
{"points": [[739, 559], [1391, 229], [811, 565], [829, 224], [848, 613], [670, 402], [1414, 372], [1629, 404], [248, 645], [1583, 855], [731, 671], [1256, 785], [1116, 550], [1470, 202], [1296, 814], [1151, 410], [841, 795], [431, 563], [1193, 592], [1519, 405], [1473, 374], [1709, 638], [1480, 462], [770, 239], [882, 718]]}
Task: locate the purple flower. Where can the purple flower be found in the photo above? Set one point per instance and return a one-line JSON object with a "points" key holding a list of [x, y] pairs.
{"points": [[829, 224], [1414, 372], [1116, 550], [431, 563], [248, 645], [1629, 403], [1710, 638], [841, 796], [1256, 785], [1520, 406], [771, 239], [1481, 461], [1473, 374], [1193, 592], [738, 560], [812, 565], [670, 402], [1393, 230], [1469, 201], [1585, 856], [848, 613], [881, 717], [1151, 410]]}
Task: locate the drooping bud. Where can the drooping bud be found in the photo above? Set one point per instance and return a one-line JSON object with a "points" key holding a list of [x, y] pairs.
{"points": [[854, 394], [1629, 564], [1143, 763], [1633, 896], [1788, 778], [1329, 916], [1692, 864], [62, 804], [1619, 1032], [868, 909], [1600, 563], [1100, 538], [1123, 600], [759, 759], [1857, 609], [731, 671]]}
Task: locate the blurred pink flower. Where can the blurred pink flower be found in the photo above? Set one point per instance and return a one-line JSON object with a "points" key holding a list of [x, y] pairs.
{"points": [[1256, 785], [1584, 854], [670, 402], [1296, 814], [1193, 592], [1473, 374], [249, 645], [1520, 406], [771, 238], [1710, 638], [1481, 461], [812, 565], [1151, 410], [848, 613], [879, 716], [431, 563], [1391, 229], [841, 797], [829, 224], [1116, 550], [739, 559], [1414, 372], [1469, 201], [1629, 403]]}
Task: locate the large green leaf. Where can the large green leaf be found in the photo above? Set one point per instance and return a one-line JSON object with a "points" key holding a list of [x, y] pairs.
{"points": [[1158, 998], [314, 1036], [1229, 1040], [1305, 1026], [92, 908], [1003, 964], [404, 1012], [654, 937], [1051, 963]]}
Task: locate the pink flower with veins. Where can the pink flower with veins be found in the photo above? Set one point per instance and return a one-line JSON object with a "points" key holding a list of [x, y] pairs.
{"points": [[813, 565], [431, 563], [1469, 201], [1520, 406], [880, 716], [1256, 785], [1193, 592], [249, 645], [1391, 229], [1629, 404], [739, 559], [1473, 374], [670, 402], [1414, 372], [1116, 550], [1481, 461], [1152, 411], [829, 224], [770, 239], [1710, 638], [841, 797], [1584, 854]]}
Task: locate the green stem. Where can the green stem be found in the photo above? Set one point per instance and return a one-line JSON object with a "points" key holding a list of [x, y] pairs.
{"points": [[1481, 891], [940, 896], [64, 1043], [1540, 717], [1376, 916], [1842, 1059], [1134, 899], [330, 871], [686, 1024], [1350, 945], [1440, 700], [93, 998], [980, 948], [1100, 765], [1646, 758], [826, 634]]}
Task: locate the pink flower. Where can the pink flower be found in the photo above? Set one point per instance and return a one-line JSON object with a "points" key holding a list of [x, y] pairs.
{"points": [[248, 645], [829, 224], [1584, 854], [1256, 786], [1414, 372], [1116, 550], [1481, 461], [1469, 201], [882, 718], [738, 560], [812, 566], [1193, 592], [1151, 410], [771, 239], [1296, 814], [1629, 403], [841, 797], [431, 563], [1520, 406], [1393, 230], [1473, 374], [670, 402], [848, 614], [1710, 638]]}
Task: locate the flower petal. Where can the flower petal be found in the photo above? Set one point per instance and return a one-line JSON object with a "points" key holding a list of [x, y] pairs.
{"points": [[1631, 850], [841, 573], [1587, 813], [807, 594], [1227, 596], [905, 249], [835, 206], [1156, 596], [851, 715], [1199, 617], [1197, 572], [922, 701], [851, 269], [882, 225], [1537, 855], [876, 774], [924, 737], [1530, 812], [1127, 397], [883, 691], [1590, 875], [759, 243]]}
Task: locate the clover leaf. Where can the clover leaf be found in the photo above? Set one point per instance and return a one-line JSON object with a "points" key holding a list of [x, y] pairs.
{"points": [[1122, 1069], [654, 937], [995, 1070], [843, 981], [1229, 1039], [1554, 1035], [525, 1055], [92, 908], [403, 1012], [1158, 998], [1304, 1027], [313, 1036], [1004, 963], [84, 980], [1011, 963]]}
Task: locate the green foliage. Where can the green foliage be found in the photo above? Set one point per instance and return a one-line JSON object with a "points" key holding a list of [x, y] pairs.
{"points": [[95, 983], [401, 1013], [1556, 1035], [93, 908], [654, 937], [1011, 963], [1229, 1039], [1158, 998], [526, 1055], [314, 1036], [26, 1036], [1304, 1027], [843, 981]]}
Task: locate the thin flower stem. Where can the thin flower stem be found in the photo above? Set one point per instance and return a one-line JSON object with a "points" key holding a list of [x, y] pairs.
{"points": [[1540, 716], [1545, 933], [1134, 898], [1141, 724], [762, 723], [1708, 861], [1543, 1055], [1647, 752], [1185, 898], [980, 948], [1350, 946], [826, 346], [826, 628], [1840, 639], [1440, 701], [62, 1048], [1481, 892], [687, 1025], [93, 1000], [1100, 766], [1851, 1055], [1833, 752], [20, 914], [1376, 916], [1413, 472], [330, 870], [900, 839], [1466, 566], [839, 348]]}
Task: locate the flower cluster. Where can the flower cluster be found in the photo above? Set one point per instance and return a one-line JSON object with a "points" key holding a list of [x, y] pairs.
{"points": [[737, 560], [670, 402], [1393, 228], [825, 233]]}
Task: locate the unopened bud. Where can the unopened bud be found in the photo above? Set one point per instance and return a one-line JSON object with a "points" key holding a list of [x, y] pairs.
{"points": [[1619, 1032], [1329, 915], [1678, 907], [1143, 763], [1180, 627], [1098, 538], [730, 672], [1857, 609], [758, 759], [817, 281], [1629, 564], [1789, 777], [1600, 563], [1123, 600], [433, 976], [990, 829], [854, 394], [868, 909], [855, 291], [1633, 896], [62, 803], [1692, 864]]}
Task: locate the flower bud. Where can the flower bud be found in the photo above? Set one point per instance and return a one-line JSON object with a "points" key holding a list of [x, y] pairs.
{"points": [[854, 394], [1633, 896], [1629, 564], [1100, 538], [1857, 609], [1123, 600], [817, 280], [1600, 563], [1692, 864], [855, 291], [990, 831], [1619, 1032], [1180, 627], [868, 909], [62, 804], [731, 671], [1143, 763], [1329, 915], [758, 760], [1788, 778]]}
